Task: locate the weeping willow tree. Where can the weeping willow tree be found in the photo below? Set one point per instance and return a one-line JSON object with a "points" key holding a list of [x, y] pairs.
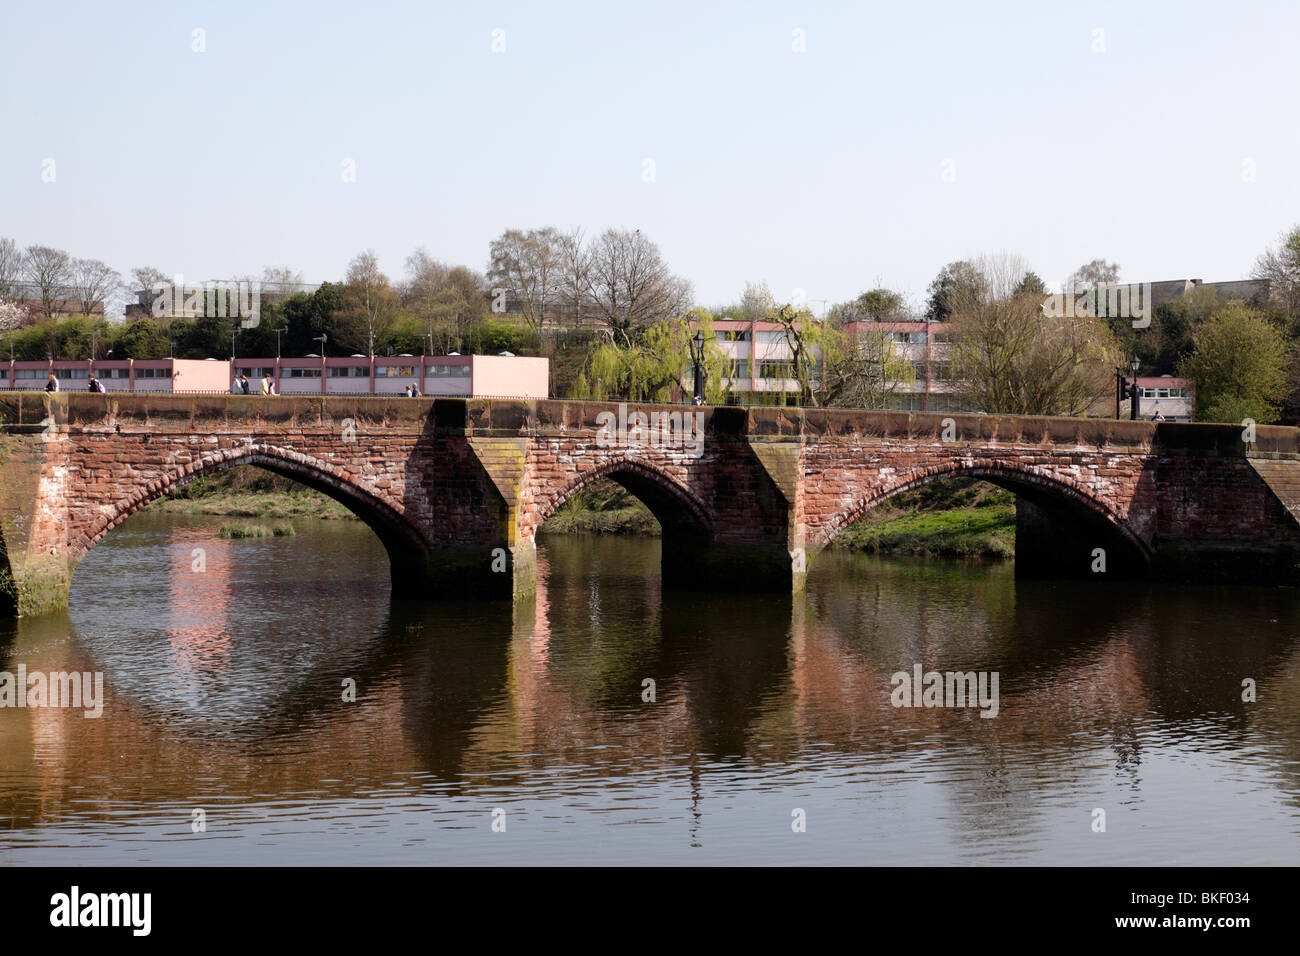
{"points": [[654, 364], [812, 345]]}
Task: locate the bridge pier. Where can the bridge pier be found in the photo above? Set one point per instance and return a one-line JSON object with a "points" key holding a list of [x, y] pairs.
{"points": [[496, 573], [35, 564]]}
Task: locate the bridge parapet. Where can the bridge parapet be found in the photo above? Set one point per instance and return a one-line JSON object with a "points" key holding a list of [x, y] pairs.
{"points": [[548, 418]]}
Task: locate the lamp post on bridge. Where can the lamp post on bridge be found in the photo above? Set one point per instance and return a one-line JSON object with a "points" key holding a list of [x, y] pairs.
{"points": [[1125, 390], [697, 360], [1137, 406]]}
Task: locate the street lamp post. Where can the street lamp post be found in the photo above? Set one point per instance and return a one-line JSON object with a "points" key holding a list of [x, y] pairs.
{"points": [[1137, 407], [233, 336], [697, 358], [322, 338], [278, 333]]}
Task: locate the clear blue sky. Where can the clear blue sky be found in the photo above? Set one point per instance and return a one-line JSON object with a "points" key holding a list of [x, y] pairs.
{"points": [[821, 170]]}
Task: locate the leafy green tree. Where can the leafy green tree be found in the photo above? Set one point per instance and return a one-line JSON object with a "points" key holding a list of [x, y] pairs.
{"points": [[957, 281], [140, 338], [1238, 366], [1031, 284], [874, 305], [208, 336], [307, 317], [1169, 338]]}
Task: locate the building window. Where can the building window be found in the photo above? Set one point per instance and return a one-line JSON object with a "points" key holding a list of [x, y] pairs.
{"points": [[350, 371], [303, 372], [776, 370], [449, 371]]}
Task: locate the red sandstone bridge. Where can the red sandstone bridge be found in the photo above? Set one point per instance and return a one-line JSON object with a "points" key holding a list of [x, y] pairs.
{"points": [[456, 489]]}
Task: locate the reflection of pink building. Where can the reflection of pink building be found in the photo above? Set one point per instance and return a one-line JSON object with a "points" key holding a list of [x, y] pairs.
{"points": [[199, 602]]}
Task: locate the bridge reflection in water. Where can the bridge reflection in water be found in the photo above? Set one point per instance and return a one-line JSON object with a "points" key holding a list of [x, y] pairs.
{"points": [[226, 694]]}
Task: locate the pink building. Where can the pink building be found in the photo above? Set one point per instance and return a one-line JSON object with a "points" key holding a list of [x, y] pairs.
{"points": [[470, 376], [125, 375], [478, 376]]}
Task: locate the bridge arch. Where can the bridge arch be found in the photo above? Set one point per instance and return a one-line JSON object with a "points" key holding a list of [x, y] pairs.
{"points": [[403, 539], [675, 507], [1046, 490]]}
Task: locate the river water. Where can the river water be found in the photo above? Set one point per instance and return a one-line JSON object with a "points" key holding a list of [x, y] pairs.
{"points": [[479, 735]]}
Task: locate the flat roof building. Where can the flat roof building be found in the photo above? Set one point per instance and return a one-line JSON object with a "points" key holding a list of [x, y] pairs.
{"points": [[476, 376]]}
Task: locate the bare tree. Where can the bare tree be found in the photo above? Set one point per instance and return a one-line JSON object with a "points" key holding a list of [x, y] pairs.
{"points": [[368, 302], [630, 284], [527, 266], [50, 271], [865, 371], [448, 298], [1280, 268], [809, 343], [1012, 358], [574, 277], [1096, 273], [91, 281], [146, 277], [11, 268], [280, 281]]}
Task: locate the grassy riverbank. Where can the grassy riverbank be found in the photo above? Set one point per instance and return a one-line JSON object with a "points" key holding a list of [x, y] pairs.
{"points": [[603, 507], [252, 493], [957, 517]]}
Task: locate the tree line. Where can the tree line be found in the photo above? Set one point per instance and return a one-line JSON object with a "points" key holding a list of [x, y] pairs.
{"points": [[617, 323]]}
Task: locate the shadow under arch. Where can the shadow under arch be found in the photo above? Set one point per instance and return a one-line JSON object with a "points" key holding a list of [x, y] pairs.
{"points": [[8, 585], [1059, 523], [685, 523], [406, 547]]}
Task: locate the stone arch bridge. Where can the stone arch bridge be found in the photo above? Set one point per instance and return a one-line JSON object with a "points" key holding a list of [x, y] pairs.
{"points": [[456, 489]]}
